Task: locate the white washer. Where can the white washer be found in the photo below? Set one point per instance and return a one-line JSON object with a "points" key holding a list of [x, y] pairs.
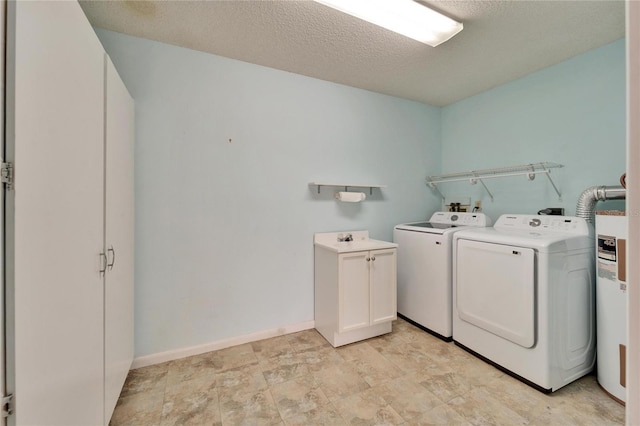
{"points": [[524, 297], [424, 269]]}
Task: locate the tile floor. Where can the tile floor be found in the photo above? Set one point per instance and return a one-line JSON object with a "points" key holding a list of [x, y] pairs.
{"points": [[406, 377]]}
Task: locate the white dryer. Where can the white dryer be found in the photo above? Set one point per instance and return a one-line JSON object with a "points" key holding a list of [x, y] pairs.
{"points": [[424, 269], [524, 297]]}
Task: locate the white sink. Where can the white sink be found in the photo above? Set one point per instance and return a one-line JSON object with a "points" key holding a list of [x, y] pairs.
{"points": [[361, 242]]}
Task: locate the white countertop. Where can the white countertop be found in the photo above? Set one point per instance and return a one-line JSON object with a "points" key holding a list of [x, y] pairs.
{"points": [[361, 242]]}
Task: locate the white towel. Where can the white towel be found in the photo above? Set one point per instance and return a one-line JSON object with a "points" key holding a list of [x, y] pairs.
{"points": [[350, 197]]}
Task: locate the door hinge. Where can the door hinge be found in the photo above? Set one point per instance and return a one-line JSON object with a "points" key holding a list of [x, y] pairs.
{"points": [[6, 175], [7, 405]]}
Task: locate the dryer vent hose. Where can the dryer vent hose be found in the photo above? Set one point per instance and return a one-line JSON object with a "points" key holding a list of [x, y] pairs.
{"points": [[590, 196]]}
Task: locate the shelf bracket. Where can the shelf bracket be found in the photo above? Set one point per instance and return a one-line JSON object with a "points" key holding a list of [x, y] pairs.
{"points": [[548, 173], [435, 188], [346, 188], [477, 179]]}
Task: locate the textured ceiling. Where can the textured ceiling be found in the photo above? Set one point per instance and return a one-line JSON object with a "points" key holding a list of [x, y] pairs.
{"points": [[501, 40]]}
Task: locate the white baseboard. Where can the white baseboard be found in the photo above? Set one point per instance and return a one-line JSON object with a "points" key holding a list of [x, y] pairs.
{"points": [[144, 361]]}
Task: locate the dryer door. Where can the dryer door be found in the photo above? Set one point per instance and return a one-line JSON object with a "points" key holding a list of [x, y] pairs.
{"points": [[495, 289]]}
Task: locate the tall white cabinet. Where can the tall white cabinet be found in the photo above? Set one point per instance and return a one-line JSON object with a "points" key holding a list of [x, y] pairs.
{"points": [[69, 219]]}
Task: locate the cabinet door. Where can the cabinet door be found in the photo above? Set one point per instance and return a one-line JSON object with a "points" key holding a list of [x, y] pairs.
{"points": [[383, 286], [3, 12], [54, 219], [353, 289], [118, 291]]}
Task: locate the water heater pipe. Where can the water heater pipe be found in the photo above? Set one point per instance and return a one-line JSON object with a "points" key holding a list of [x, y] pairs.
{"points": [[590, 196]]}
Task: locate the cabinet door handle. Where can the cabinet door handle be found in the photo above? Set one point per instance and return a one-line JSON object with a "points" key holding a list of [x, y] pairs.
{"points": [[103, 263], [368, 259], [373, 258], [113, 258]]}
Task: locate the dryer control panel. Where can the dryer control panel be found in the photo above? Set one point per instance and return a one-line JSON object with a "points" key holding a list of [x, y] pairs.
{"points": [[543, 224]]}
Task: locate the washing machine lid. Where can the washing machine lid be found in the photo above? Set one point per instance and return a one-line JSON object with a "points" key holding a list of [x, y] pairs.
{"points": [[442, 222], [428, 227], [543, 233]]}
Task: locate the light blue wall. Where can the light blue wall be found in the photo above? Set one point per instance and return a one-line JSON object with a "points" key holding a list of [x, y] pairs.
{"points": [[572, 113], [224, 231]]}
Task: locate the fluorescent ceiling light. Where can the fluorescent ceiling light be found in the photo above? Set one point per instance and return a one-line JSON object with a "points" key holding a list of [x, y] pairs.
{"points": [[406, 17]]}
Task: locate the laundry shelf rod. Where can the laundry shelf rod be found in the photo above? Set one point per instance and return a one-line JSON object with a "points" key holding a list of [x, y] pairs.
{"points": [[475, 176]]}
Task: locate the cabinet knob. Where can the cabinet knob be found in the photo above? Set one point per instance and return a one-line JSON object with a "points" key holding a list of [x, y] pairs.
{"points": [[368, 259], [373, 258]]}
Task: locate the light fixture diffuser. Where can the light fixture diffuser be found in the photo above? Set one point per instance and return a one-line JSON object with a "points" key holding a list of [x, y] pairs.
{"points": [[406, 17]]}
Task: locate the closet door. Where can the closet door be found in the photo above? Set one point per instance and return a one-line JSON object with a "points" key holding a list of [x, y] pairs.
{"points": [[54, 222], [118, 291], [3, 14]]}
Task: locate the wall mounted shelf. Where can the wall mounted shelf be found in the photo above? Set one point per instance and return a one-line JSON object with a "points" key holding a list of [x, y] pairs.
{"points": [[475, 176], [346, 186]]}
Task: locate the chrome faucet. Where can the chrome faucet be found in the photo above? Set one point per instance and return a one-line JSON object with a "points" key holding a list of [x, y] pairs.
{"points": [[345, 238]]}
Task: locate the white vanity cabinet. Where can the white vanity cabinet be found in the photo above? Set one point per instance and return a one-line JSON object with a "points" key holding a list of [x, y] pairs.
{"points": [[355, 287]]}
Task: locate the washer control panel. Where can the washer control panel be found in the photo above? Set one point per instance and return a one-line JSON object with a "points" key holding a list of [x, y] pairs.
{"points": [[568, 224], [461, 219]]}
